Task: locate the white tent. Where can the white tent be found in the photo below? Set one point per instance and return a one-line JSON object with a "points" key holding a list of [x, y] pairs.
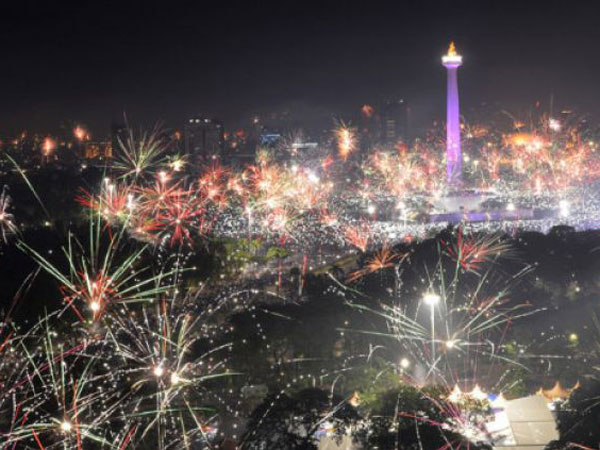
{"points": [[523, 424]]}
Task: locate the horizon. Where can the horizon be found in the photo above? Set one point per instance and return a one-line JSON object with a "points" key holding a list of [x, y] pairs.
{"points": [[90, 64]]}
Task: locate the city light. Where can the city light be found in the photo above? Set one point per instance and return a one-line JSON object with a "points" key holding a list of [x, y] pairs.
{"points": [[48, 146], [554, 124], [332, 253], [80, 134]]}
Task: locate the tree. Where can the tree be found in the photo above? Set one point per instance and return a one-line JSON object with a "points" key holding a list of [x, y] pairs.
{"points": [[292, 422], [409, 419]]}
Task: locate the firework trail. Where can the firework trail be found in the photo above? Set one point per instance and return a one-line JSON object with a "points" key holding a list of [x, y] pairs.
{"points": [[8, 226], [452, 326]]}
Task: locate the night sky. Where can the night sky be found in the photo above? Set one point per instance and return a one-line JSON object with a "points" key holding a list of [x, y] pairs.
{"points": [[91, 61]]}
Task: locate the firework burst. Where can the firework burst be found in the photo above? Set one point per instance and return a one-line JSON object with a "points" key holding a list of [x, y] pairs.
{"points": [[8, 227], [346, 140], [103, 275]]}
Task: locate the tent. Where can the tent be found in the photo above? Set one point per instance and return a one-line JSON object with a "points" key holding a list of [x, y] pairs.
{"points": [[523, 424]]}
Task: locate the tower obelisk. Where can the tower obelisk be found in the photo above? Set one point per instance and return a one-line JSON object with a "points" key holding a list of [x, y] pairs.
{"points": [[452, 61]]}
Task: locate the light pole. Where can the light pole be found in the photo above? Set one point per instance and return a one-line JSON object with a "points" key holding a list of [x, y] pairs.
{"points": [[432, 299]]}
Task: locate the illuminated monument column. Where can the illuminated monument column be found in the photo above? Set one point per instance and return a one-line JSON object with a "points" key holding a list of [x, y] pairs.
{"points": [[452, 61]]}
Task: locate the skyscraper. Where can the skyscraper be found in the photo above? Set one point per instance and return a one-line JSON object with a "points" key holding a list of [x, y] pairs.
{"points": [[204, 139], [452, 61], [394, 121]]}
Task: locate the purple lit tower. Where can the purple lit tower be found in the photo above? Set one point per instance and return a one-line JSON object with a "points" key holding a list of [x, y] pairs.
{"points": [[452, 61]]}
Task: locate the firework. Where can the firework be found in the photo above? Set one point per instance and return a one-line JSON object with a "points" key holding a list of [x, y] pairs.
{"points": [[48, 146], [7, 221], [80, 133], [141, 155], [346, 140], [149, 375], [385, 258], [101, 277], [472, 252], [358, 236], [460, 320]]}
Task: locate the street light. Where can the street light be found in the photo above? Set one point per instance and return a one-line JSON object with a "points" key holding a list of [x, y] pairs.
{"points": [[404, 363], [431, 299]]}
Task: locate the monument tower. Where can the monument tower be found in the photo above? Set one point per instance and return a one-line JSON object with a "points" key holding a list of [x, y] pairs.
{"points": [[452, 61]]}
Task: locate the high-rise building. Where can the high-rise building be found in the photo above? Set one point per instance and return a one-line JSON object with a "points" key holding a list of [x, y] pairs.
{"points": [[204, 139], [394, 121], [369, 128], [452, 61]]}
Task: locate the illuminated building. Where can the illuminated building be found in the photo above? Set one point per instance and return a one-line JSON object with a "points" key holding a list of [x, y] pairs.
{"points": [[204, 139], [394, 121], [93, 150], [452, 61]]}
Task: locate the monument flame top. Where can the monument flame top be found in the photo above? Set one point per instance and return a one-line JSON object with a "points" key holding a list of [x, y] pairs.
{"points": [[452, 58]]}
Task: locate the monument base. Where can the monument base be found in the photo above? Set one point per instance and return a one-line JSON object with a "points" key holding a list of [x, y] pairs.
{"points": [[470, 206]]}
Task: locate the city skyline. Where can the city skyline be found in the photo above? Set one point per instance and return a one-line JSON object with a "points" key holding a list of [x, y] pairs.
{"points": [[299, 226], [92, 64]]}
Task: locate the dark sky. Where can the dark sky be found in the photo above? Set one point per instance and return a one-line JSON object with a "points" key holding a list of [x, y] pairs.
{"points": [[90, 61]]}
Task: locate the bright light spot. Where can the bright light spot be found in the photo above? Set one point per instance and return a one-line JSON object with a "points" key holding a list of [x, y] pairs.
{"points": [[48, 146], [65, 426], [177, 165], [79, 133], [563, 207], [175, 378], [130, 203], [158, 371], [510, 206], [404, 363], [450, 344], [431, 299], [95, 306], [554, 124], [371, 209]]}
